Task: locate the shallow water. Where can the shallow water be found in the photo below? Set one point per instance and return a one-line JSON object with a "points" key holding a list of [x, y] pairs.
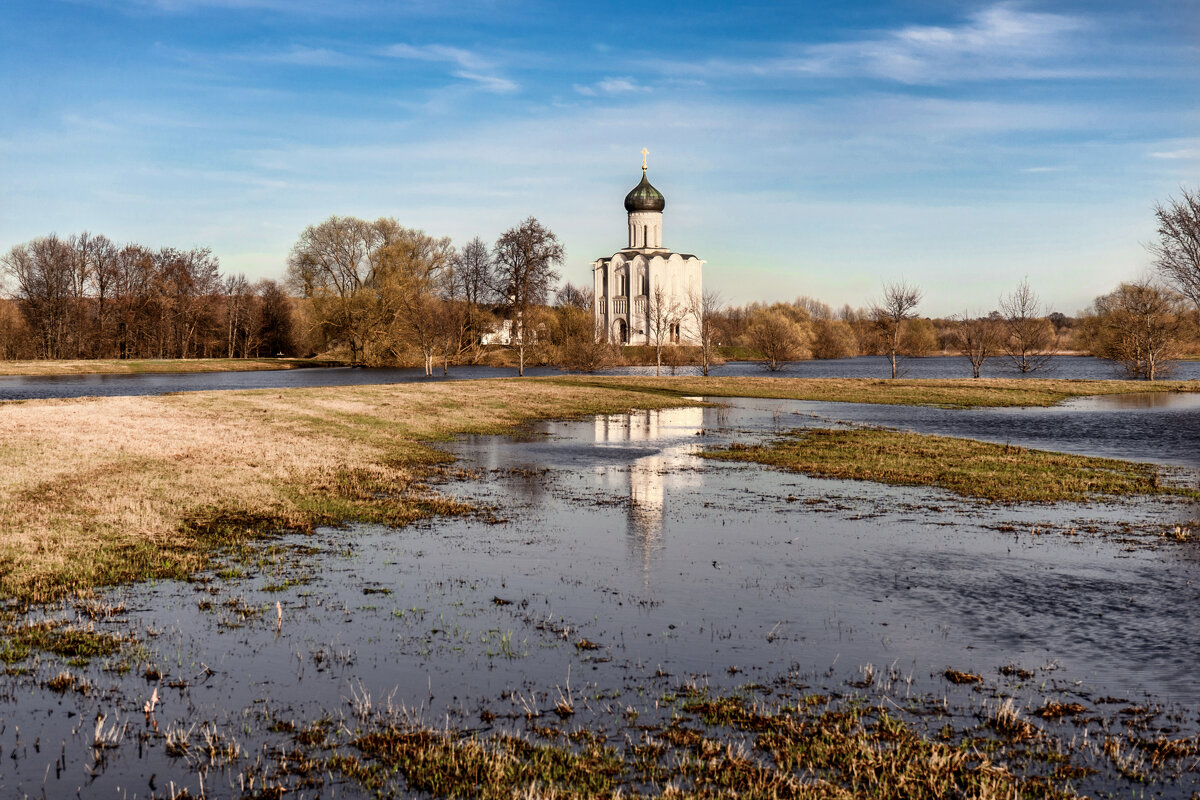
{"points": [[62, 386], [678, 568], [1160, 428]]}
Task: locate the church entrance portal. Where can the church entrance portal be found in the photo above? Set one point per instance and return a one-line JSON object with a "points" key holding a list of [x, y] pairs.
{"points": [[621, 331]]}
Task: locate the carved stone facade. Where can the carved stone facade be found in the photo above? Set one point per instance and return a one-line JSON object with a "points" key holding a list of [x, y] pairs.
{"points": [[645, 286]]}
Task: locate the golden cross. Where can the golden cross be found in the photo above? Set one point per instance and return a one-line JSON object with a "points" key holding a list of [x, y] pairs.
{"points": [[645, 153]]}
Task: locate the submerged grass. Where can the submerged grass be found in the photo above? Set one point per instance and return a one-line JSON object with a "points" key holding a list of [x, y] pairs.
{"points": [[113, 366], [101, 491], [964, 393], [965, 466]]}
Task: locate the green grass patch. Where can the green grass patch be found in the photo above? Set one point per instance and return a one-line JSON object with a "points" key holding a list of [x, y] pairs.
{"points": [[447, 765], [55, 636], [964, 466]]}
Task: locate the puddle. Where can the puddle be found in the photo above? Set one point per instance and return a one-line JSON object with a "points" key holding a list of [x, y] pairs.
{"points": [[616, 535]]}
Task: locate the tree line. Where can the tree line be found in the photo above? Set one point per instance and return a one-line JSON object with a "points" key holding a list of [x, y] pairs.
{"points": [[376, 292], [85, 296]]}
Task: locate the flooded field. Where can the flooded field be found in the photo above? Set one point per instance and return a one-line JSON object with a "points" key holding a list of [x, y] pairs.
{"points": [[610, 573]]}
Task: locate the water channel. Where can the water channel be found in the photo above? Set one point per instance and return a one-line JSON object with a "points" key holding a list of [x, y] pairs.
{"points": [[679, 570], [62, 386]]}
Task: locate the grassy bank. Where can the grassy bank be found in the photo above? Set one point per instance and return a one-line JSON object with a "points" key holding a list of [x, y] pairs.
{"points": [[113, 366], [964, 393], [103, 491], [964, 466]]}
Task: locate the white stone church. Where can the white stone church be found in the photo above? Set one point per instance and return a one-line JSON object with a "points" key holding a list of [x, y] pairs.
{"points": [[625, 284]]}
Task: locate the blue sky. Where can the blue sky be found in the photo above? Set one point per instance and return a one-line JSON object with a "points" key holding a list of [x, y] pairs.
{"points": [[804, 148]]}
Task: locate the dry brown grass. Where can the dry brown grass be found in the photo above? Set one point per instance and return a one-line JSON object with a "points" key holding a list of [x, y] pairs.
{"points": [[112, 366], [109, 490], [965, 466]]}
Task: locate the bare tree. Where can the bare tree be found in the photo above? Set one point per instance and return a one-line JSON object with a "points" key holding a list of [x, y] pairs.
{"points": [[834, 338], [891, 312], [104, 276], [778, 338], [276, 331], [408, 281], [238, 299], [1177, 251], [42, 271], [1139, 325], [524, 261], [333, 264], [977, 338], [662, 321], [705, 309], [1029, 340], [473, 272], [573, 296]]}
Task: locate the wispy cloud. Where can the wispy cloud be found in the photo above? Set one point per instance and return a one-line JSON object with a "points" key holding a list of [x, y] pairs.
{"points": [[610, 86], [1187, 151], [1001, 41], [469, 66]]}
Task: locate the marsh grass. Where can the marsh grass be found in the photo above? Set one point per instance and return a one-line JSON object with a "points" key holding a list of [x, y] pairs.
{"points": [[964, 393], [105, 491], [739, 748], [114, 366], [964, 466], [78, 645]]}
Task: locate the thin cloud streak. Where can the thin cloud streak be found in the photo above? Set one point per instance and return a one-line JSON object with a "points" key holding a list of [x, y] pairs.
{"points": [[471, 66]]}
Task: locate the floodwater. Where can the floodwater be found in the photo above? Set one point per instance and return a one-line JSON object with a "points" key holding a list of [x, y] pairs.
{"points": [[62, 386], [679, 569]]}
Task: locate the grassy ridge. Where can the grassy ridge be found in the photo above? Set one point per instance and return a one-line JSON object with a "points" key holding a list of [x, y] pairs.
{"points": [[964, 466], [957, 393], [110, 490], [113, 366]]}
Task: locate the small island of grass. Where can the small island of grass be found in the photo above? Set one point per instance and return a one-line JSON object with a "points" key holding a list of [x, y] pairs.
{"points": [[964, 466]]}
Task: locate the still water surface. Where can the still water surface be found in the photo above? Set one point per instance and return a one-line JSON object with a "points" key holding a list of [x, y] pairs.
{"points": [[35, 387]]}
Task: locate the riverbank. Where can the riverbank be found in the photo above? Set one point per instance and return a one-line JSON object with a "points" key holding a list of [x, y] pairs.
{"points": [[113, 366]]}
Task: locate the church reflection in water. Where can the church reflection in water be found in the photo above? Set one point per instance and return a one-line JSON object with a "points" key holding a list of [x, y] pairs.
{"points": [[669, 437]]}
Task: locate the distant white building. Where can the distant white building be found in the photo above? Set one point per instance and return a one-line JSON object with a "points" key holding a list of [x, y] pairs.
{"points": [[624, 284]]}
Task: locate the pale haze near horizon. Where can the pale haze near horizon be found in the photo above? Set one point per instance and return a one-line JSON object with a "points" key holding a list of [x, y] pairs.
{"points": [[803, 151]]}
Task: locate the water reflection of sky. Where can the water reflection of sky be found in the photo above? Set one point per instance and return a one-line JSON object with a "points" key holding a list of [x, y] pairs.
{"points": [[868, 572], [34, 387]]}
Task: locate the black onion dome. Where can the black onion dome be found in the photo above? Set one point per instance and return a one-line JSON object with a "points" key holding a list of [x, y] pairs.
{"points": [[645, 197]]}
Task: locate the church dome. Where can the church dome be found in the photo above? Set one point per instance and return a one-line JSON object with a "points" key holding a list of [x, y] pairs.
{"points": [[644, 197]]}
